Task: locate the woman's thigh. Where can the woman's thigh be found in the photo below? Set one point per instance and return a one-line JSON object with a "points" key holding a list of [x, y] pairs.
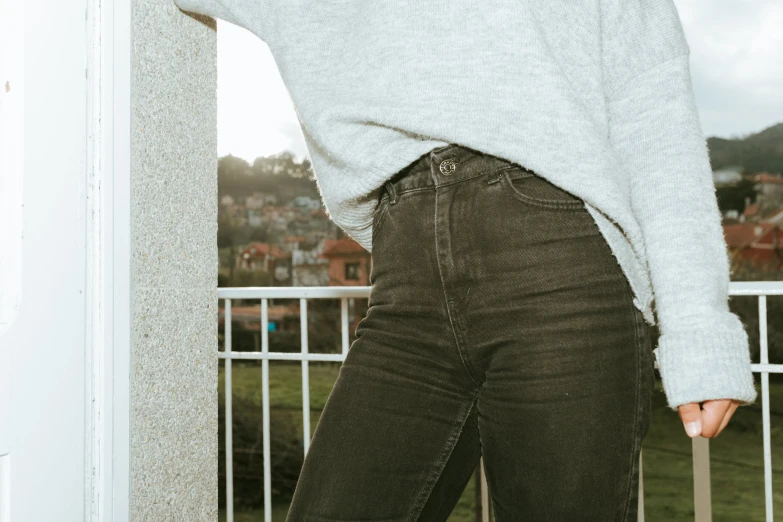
{"points": [[499, 324], [565, 358], [398, 436], [381, 446]]}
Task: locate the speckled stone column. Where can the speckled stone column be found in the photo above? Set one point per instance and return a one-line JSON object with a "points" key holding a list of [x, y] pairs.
{"points": [[174, 366]]}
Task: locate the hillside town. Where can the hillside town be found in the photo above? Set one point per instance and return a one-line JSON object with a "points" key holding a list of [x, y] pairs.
{"points": [[312, 251], [274, 231]]}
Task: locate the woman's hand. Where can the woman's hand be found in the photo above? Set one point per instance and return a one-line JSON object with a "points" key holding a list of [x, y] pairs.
{"points": [[711, 420]]}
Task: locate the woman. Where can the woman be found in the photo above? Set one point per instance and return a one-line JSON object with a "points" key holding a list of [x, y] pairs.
{"points": [[534, 185]]}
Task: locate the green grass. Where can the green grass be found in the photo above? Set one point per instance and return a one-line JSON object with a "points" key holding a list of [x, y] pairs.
{"points": [[737, 465]]}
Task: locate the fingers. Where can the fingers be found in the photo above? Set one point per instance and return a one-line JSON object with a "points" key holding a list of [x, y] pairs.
{"points": [[713, 414], [732, 408], [691, 417], [710, 419]]}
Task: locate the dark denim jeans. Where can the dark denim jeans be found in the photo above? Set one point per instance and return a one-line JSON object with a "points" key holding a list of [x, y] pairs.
{"points": [[499, 324]]}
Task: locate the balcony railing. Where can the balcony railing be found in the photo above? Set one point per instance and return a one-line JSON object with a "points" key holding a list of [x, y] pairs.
{"points": [[700, 445]]}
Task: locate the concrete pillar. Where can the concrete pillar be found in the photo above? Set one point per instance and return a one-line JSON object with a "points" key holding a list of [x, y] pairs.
{"points": [[174, 261]]}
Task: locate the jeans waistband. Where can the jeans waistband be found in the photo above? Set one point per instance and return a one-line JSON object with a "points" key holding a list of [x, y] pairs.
{"points": [[446, 165]]}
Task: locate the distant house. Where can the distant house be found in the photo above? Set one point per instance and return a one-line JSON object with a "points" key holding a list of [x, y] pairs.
{"points": [[271, 258], [229, 207], [349, 262], [769, 189], [759, 243], [292, 242], [349, 265], [254, 218], [309, 268], [260, 200], [307, 202], [727, 175]]}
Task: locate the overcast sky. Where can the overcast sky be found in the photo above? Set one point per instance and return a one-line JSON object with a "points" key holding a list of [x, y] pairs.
{"points": [[736, 50]]}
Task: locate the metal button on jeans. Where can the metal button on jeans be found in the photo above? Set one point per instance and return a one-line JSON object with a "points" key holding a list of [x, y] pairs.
{"points": [[447, 167]]}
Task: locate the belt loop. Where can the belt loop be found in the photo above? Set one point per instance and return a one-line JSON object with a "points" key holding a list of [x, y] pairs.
{"points": [[392, 193]]}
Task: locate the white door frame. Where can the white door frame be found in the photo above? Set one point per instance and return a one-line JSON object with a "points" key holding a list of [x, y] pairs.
{"points": [[105, 189], [108, 260]]}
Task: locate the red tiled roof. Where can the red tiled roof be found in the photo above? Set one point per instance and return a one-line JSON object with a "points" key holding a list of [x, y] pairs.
{"points": [[342, 246], [743, 234], [766, 177]]}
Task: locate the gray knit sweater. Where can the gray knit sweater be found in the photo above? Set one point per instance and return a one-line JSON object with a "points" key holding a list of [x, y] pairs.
{"points": [[595, 96]]}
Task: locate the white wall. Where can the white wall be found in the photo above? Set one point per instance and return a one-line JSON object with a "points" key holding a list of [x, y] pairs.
{"points": [[108, 298], [11, 155], [45, 342]]}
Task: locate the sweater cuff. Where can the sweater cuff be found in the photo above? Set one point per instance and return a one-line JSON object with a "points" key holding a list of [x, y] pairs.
{"points": [[706, 362]]}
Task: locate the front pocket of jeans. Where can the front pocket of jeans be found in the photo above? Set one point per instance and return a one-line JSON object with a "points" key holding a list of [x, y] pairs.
{"points": [[530, 188], [379, 216]]}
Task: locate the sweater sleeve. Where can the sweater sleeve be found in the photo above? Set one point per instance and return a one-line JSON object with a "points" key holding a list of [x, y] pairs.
{"points": [[655, 130], [247, 14]]}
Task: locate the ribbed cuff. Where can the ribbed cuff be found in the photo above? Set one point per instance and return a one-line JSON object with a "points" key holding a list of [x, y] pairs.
{"points": [[706, 362]]}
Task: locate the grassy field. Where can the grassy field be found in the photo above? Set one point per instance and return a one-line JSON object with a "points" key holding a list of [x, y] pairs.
{"points": [[737, 464]]}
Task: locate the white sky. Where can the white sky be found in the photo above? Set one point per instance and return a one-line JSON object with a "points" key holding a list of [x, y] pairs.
{"points": [[736, 57]]}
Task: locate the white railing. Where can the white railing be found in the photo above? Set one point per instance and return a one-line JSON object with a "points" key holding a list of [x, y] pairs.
{"points": [[701, 459]]}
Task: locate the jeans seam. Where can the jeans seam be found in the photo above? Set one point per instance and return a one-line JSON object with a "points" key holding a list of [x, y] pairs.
{"points": [[637, 404], [416, 189], [515, 166], [477, 175], [551, 204], [448, 448], [482, 173], [447, 301], [380, 217], [490, 499]]}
